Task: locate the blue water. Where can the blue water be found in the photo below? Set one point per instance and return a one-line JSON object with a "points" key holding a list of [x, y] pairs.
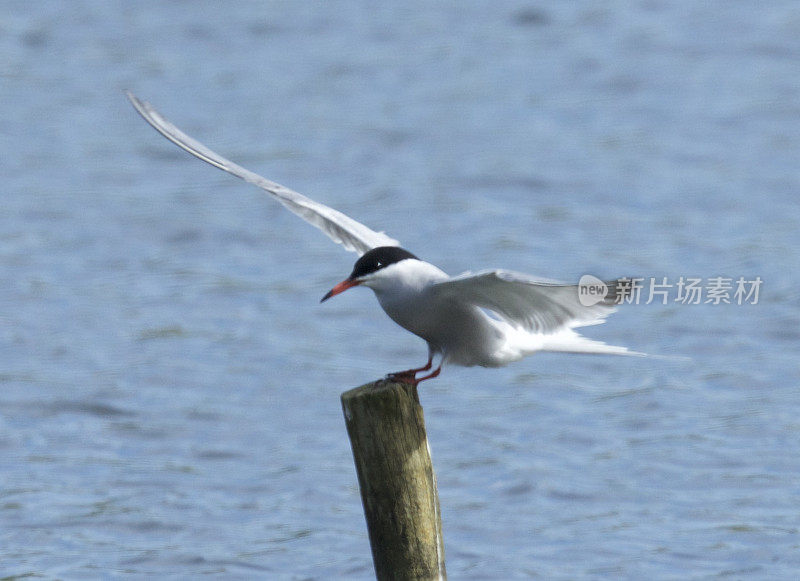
{"points": [[169, 384]]}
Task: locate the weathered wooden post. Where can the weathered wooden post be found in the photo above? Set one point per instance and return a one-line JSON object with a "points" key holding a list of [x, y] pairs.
{"points": [[398, 486]]}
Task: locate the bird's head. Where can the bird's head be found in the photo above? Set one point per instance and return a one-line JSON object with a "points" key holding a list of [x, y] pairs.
{"points": [[369, 270]]}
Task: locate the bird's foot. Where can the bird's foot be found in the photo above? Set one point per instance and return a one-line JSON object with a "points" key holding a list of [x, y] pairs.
{"points": [[434, 373], [410, 376]]}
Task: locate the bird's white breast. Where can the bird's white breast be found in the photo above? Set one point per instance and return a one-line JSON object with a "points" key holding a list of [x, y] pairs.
{"points": [[461, 332]]}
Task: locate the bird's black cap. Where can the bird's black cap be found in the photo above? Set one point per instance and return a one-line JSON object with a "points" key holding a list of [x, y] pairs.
{"points": [[378, 258]]}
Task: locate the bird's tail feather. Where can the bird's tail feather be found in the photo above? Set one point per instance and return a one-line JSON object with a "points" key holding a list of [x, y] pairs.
{"points": [[571, 342], [520, 344]]}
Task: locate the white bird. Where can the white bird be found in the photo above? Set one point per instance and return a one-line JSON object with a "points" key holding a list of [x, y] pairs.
{"points": [[488, 318]]}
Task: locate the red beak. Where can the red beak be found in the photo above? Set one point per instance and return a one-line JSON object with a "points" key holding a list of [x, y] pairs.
{"points": [[340, 288]]}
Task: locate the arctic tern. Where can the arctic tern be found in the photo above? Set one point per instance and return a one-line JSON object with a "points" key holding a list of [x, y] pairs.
{"points": [[487, 318]]}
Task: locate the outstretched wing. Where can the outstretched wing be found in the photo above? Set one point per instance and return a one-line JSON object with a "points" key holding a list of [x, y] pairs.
{"points": [[536, 305], [340, 228]]}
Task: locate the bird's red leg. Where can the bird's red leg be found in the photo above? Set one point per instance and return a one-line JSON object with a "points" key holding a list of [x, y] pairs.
{"points": [[435, 373], [410, 374]]}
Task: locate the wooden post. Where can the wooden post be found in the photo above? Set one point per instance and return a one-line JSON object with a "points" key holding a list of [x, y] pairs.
{"points": [[398, 486]]}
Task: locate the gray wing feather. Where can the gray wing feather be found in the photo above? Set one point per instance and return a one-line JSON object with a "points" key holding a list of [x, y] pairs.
{"points": [[340, 228], [536, 305]]}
